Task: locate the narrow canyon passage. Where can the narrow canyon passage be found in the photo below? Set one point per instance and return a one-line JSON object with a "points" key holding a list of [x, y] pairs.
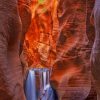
{"points": [[57, 38], [55, 35]]}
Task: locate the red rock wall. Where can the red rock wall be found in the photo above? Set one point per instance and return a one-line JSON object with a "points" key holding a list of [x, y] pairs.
{"points": [[72, 64], [61, 36], [42, 35]]}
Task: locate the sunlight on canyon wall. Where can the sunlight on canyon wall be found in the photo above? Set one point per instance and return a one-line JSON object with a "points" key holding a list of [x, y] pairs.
{"points": [[58, 38], [40, 42]]}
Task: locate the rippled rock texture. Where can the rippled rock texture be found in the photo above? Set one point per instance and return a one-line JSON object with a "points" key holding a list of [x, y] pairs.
{"points": [[60, 37]]}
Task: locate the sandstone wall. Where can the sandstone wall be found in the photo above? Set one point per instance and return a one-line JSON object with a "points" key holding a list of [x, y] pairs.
{"points": [[60, 37]]}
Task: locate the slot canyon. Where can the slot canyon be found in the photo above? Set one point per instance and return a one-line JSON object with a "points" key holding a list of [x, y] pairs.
{"points": [[58, 34]]}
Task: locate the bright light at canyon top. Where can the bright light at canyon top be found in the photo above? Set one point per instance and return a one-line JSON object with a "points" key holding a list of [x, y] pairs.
{"points": [[39, 40]]}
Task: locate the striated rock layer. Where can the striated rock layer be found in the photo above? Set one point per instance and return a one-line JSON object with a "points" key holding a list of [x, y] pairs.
{"points": [[72, 64], [40, 42], [11, 76], [59, 38]]}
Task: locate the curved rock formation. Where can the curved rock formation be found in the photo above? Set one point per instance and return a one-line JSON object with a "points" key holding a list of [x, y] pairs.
{"points": [[60, 37], [11, 78]]}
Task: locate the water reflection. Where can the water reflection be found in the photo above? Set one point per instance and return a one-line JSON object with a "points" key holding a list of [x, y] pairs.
{"points": [[38, 86]]}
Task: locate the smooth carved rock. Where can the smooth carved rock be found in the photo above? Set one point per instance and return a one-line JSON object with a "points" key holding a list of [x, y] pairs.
{"points": [[11, 78], [12, 33], [72, 64], [95, 55], [26, 16]]}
